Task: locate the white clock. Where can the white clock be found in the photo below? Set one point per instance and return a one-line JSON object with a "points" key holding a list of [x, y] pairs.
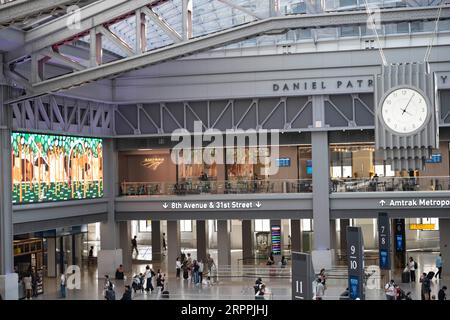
{"points": [[404, 110]]}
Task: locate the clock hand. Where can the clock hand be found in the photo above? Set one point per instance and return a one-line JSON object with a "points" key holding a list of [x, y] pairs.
{"points": [[404, 110]]}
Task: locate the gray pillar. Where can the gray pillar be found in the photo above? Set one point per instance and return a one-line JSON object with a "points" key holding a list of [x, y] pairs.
{"points": [[8, 279], [223, 243], [444, 235], [296, 235], [156, 240], [247, 241], [110, 256], [6, 225], [321, 254], [344, 223], [79, 249], [333, 236], [173, 244], [125, 245], [51, 257], [321, 200], [202, 239]]}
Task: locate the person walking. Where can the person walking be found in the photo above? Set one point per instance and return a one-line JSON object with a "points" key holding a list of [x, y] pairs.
{"points": [[390, 290], [426, 287], [442, 295], [63, 284], [134, 246], [412, 266], [200, 271], [110, 294], [320, 289], [127, 294], [195, 271], [164, 243], [178, 267], [149, 273], [27, 280], [439, 266]]}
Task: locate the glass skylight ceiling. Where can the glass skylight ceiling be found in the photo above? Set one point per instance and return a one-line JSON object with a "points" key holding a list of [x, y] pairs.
{"points": [[213, 15]]}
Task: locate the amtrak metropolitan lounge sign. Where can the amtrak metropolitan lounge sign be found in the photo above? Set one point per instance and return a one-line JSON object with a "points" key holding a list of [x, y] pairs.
{"points": [[211, 205], [415, 203]]}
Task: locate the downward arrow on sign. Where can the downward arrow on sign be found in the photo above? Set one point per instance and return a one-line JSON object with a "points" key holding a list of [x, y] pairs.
{"points": [[165, 205], [258, 204]]}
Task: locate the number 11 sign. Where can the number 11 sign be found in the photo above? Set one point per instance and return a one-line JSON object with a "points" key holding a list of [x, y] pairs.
{"points": [[355, 252]]}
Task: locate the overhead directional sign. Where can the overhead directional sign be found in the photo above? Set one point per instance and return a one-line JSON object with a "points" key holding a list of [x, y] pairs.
{"points": [[208, 205], [384, 241], [355, 250], [302, 276]]}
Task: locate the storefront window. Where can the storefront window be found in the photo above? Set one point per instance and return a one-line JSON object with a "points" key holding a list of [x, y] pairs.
{"points": [[145, 226], [246, 164], [307, 225], [305, 162], [352, 161], [194, 169], [186, 225], [262, 225]]}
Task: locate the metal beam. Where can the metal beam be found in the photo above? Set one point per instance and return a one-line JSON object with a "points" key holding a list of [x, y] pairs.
{"points": [[116, 40], [19, 9], [175, 36], [65, 60], [92, 16], [241, 8], [222, 38]]}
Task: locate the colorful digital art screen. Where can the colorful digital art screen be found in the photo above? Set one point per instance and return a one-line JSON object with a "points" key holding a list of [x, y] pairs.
{"points": [[55, 168]]}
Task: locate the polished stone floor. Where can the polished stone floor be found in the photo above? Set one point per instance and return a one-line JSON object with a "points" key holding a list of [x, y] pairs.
{"points": [[236, 284]]}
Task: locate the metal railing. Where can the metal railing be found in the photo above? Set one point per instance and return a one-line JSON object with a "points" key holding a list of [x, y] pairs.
{"points": [[381, 184], [215, 187]]}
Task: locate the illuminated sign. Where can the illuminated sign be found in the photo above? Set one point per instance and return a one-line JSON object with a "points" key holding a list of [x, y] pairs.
{"points": [[55, 168], [276, 239], [420, 226], [152, 163]]}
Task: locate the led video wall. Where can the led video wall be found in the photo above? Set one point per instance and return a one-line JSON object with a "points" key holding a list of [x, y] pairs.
{"points": [[55, 168]]}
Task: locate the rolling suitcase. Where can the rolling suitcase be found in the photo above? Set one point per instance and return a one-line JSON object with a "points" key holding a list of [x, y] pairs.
{"points": [[406, 277], [165, 294]]}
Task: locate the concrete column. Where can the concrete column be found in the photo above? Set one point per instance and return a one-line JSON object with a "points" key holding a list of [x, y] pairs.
{"points": [[173, 244], [202, 239], [296, 235], [344, 223], [223, 243], [78, 249], [110, 257], [51, 257], [156, 240], [247, 241], [125, 244], [444, 236], [321, 254], [8, 279]]}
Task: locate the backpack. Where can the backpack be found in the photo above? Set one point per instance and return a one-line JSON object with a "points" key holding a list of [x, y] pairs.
{"points": [[415, 265]]}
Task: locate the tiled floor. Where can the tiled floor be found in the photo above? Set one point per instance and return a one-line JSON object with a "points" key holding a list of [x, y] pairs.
{"points": [[239, 288]]}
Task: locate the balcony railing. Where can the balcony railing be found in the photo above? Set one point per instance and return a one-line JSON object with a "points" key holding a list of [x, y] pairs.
{"points": [[215, 187], [381, 184]]}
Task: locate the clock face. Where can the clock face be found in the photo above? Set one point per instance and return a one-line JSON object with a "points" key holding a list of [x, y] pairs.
{"points": [[404, 110]]}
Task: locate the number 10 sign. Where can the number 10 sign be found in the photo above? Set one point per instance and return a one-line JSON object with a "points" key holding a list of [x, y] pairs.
{"points": [[355, 252]]}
